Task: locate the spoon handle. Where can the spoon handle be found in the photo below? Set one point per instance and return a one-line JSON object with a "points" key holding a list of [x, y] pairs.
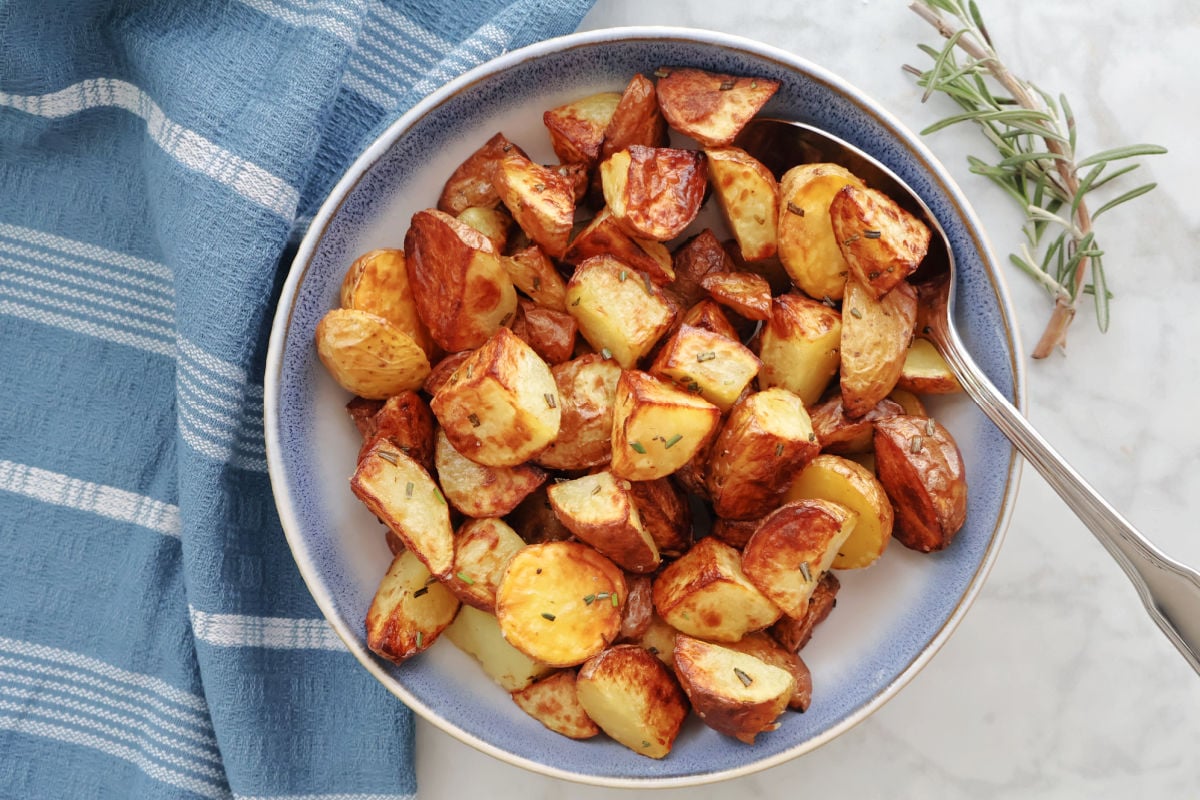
{"points": [[1169, 590]]}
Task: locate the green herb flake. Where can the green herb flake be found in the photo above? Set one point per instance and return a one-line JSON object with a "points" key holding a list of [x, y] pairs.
{"points": [[854, 312], [420, 638], [438, 494], [616, 601], [408, 489], [662, 72], [669, 443], [806, 571], [391, 458], [779, 450], [550, 401], [465, 578], [638, 447], [914, 444], [424, 590], [623, 276], [474, 420], [548, 615], [725, 86], [743, 677], [575, 302], [872, 234], [606, 353], [929, 427], [707, 355], [588, 599]]}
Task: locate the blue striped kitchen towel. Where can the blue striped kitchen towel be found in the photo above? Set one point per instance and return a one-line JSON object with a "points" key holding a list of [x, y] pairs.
{"points": [[156, 159]]}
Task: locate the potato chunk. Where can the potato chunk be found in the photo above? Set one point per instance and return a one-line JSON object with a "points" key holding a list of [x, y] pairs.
{"points": [[482, 549], [633, 698], [369, 356], [477, 633], [926, 372], [377, 282], [882, 243], [735, 693], [587, 390], [875, 339], [746, 293], [711, 365], [481, 491], [560, 602], [749, 199], [577, 128], [636, 119], [829, 477], [471, 182], [541, 200], [665, 513], [600, 510], [617, 311], [808, 247], [500, 407], [841, 435], [554, 702], [793, 633], [550, 333], [406, 422], [705, 593], [654, 192], [800, 346], [710, 107], [409, 611], [657, 427], [764, 648], [921, 469], [603, 236], [534, 274]]}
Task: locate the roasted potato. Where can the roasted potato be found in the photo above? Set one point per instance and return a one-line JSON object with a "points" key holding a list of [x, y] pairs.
{"points": [[617, 311], [540, 199], [398, 490], [734, 532], [708, 316], [500, 407], [600, 510], [362, 413], [587, 389], [705, 593], [841, 435], [369, 356], [699, 256], [881, 242], [763, 444], [636, 119], [711, 365], [793, 633], [911, 404], [471, 182], [577, 128], [645, 203], [749, 200], [554, 702], [745, 292], [534, 274], [377, 282], [442, 371], [405, 421], [842, 481], [480, 491], [792, 547], [875, 338], [921, 469], [659, 640], [409, 611], [808, 248], [734, 693], [665, 514], [462, 292], [710, 107], [477, 633], [799, 346], [633, 698], [657, 427], [604, 237], [550, 333], [494, 223], [482, 548], [639, 608], [924, 371], [560, 602], [765, 649], [535, 521]]}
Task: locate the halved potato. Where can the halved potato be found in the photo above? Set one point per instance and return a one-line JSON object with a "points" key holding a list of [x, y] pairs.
{"points": [[560, 602], [480, 491], [657, 427], [500, 407], [587, 390], [541, 200], [921, 469], [710, 107], [482, 549], [534, 274], [705, 593], [477, 633], [406, 422], [764, 648], [792, 547], [399, 491], [369, 356], [808, 248], [603, 236], [793, 633], [665, 514], [577, 128], [875, 338], [882, 243], [749, 200], [642, 201], [377, 282], [636, 119], [633, 698], [746, 293], [925, 371], [911, 404], [841, 435], [842, 481], [409, 611], [554, 702], [617, 311], [800, 346], [714, 366], [735, 693], [600, 510], [471, 182]]}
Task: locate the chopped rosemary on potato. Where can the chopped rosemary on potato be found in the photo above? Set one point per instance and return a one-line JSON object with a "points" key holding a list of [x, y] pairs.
{"points": [[638, 447], [743, 677]]}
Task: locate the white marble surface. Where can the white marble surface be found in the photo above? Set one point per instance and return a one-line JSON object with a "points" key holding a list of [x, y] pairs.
{"points": [[1057, 684]]}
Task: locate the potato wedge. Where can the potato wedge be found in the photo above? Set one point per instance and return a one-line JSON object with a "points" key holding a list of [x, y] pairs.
{"points": [[494, 223], [534, 274], [841, 435], [463, 294], [599, 509], [710, 107], [792, 547], [550, 333], [734, 693], [644, 201], [793, 633], [560, 602], [749, 200], [745, 292], [765, 649], [657, 427], [409, 611], [800, 346], [636, 119], [842, 481], [367, 355], [921, 469], [634, 698], [477, 633], [577, 128], [925, 371], [500, 407], [540, 199], [480, 491], [881, 242], [398, 490], [711, 365], [704, 593], [603, 236], [808, 248], [406, 422], [587, 390], [665, 514], [482, 548], [377, 282], [554, 702], [617, 311], [699, 256], [471, 182], [875, 339]]}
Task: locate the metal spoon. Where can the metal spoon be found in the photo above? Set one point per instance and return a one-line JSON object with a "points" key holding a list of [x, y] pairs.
{"points": [[1169, 590]]}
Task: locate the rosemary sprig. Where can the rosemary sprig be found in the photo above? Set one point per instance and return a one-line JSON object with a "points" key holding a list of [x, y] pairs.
{"points": [[1034, 136]]}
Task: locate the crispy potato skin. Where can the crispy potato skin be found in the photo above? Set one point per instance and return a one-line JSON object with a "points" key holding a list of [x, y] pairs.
{"points": [[746, 293], [587, 389], [636, 119], [654, 192], [707, 315], [600, 510], [633, 698], [665, 514], [603, 236], [577, 128], [481, 491], [534, 520], [471, 182], [882, 243], [699, 256], [482, 548], [793, 633], [734, 532], [554, 702], [534, 274], [639, 608], [540, 199], [875, 338], [710, 107], [847, 483], [765, 649], [362, 413], [406, 422], [800, 346], [442, 371], [403, 620], [921, 468], [749, 199], [550, 333], [841, 435], [367, 355]]}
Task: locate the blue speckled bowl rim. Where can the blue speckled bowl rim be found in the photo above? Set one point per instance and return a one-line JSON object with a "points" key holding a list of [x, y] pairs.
{"points": [[283, 482]]}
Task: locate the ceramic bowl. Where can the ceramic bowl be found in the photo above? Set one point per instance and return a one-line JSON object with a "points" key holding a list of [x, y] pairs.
{"points": [[890, 618]]}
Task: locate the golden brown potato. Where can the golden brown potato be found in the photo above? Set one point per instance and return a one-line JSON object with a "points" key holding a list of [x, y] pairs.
{"points": [[734, 532], [711, 365], [480, 491], [577, 128], [587, 389], [535, 521], [911, 404], [362, 413], [749, 200], [800, 346], [807, 246], [599, 509], [377, 282], [560, 602], [745, 292], [699, 256], [921, 469], [534, 274], [494, 223], [477, 633], [618, 313], [657, 427], [554, 702], [710, 107], [665, 514], [540, 199], [399, 491], [639, 608], [636, 119], [550, 333], [875, 338], [767, 650], [793, 633], [442, 371], [369, 356], [482, 548], [603, 236], [645, 203], [500, 407], [659, 640], [409, 611], [735, 693], [708, 315], [471, 182], [633, 698], [925, 371], [705, 593], [406, 422], [841, 435], [463, 294], [842, 481], [792, 547], [881, 242], [763, 444]]}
